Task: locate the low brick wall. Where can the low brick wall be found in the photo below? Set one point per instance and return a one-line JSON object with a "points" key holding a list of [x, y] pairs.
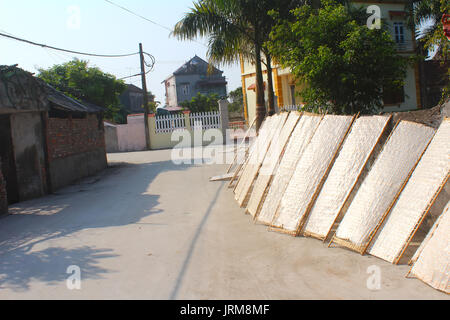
{"points": [[76, 149], [3, 195], [67, 137]]}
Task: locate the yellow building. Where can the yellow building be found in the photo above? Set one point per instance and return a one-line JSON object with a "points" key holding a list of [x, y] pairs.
{"points": [[393, 13]]}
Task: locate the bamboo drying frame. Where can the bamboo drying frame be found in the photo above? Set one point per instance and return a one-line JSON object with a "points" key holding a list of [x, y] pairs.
{"points": [[277, 211], [247, 194], [358, 178], [362, 248], [241, 144], [302, 220], [268, 183]]}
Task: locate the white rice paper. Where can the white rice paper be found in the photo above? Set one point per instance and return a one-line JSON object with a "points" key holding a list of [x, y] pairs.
{"points": [[432, 263], [417, 197], [309, 173], [271, 162], [257, 157], [383, 183], [300, 138], [357, 148]]}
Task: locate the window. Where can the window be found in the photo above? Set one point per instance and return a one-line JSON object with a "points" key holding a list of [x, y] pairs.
{"points": [[293, 94], [392, 96], [399, 32], [185, 89]]}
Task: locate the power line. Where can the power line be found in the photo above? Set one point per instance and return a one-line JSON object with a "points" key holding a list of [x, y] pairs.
{"points": [[66, 50], [147, 19], [138, 15]]}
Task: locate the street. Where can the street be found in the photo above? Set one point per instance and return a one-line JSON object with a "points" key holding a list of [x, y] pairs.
{"points": [[146, 228]]}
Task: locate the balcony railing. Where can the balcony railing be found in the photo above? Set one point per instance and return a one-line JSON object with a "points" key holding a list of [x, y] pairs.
{"points": [[405, 46]]}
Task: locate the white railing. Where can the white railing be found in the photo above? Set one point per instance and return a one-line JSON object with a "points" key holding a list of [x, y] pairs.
{"points": [[205, 120], [170, 123], [294, 107]]}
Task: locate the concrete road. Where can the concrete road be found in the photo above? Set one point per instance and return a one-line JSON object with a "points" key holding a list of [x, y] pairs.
{"points": [[149, 229]]}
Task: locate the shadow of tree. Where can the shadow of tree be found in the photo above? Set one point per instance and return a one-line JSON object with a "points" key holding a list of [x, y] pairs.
{"points": [[118, 197], [20, 266]]}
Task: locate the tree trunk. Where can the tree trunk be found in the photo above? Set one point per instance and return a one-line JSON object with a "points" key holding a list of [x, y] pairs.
{"points": [[271, 100], [260, 101]]}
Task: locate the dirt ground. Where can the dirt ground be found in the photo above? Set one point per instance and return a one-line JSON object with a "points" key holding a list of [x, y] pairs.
{"points": [[149, 229]]}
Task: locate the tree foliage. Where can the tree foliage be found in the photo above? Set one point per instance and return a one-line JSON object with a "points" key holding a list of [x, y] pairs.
{"points": [[77, 80], [236, 101], [341, 64], [202, 103], [425, 18], [236, 28]]}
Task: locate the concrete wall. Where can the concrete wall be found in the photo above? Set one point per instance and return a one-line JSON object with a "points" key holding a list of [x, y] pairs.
{"points": [[131, 136], [111, 140], [76, 149], [3, 195], [64, 171], [28, 142]]}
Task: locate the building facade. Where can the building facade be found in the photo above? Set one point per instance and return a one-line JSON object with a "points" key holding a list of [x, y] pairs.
{"points": [[195, 76], [286, 89], [47, 140]]}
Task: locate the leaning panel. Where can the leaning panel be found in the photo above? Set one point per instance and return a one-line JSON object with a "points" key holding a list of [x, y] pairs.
{"points": [[426, 182], [256, 161], [383, 184], [432, 264], [360, 144], [270, 163], [300, 138], [310, 173]]}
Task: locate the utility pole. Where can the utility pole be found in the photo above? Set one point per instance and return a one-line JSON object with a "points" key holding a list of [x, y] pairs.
{"points": [[144, 88]]}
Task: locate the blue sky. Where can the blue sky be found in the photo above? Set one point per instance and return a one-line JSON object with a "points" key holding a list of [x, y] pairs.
{"points": [[104, 29]]}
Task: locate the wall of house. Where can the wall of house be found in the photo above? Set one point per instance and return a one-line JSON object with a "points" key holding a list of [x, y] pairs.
{"points": [[3, 195], [111, 139], [28, 141], [131, 136], [411, 87], [194, 88], [171, 92], [76, 149]]}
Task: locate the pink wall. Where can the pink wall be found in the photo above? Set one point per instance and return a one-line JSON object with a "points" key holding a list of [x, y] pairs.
{"points": [[131, 136]]}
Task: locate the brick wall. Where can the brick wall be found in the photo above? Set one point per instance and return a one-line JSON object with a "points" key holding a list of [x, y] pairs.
{"points": [[67, 137], [3, 195]]}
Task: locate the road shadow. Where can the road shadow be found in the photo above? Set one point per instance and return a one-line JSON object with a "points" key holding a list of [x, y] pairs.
{"points": [[117, 197]]}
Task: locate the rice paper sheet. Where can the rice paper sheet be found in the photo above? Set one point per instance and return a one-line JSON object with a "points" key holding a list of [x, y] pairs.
{"points": [[257, 157], [414, 202], [383, 183], [260, 139], [356, 151], [309, 173], [270, 163], [300, 138], [432, 264]]}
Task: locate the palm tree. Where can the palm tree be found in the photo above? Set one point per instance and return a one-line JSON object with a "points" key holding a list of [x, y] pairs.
{"points": [[236, 28], [425, 17]]}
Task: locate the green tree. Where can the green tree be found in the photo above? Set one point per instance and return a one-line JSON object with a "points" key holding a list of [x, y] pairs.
{"points": [[341, 64], [425, 17], [202, 103], [236, 28], [236, 101], [77, 80]]}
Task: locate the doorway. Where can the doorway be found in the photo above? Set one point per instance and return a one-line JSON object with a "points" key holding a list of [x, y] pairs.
{"points": [[8, 166]]}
